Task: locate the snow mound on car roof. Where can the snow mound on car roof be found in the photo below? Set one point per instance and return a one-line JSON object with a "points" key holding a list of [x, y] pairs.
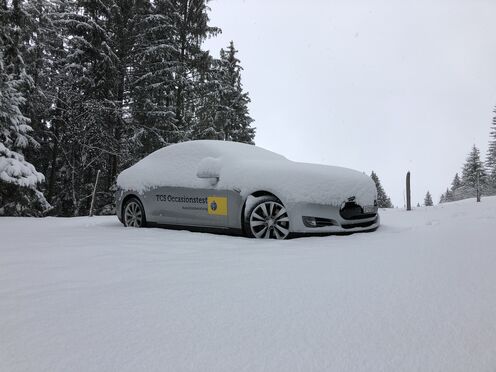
{"points": [[247, 168], [177, 165]]}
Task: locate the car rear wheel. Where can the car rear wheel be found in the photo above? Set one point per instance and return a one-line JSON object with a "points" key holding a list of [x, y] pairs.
{"points": [[267, 218], [134, 213]]}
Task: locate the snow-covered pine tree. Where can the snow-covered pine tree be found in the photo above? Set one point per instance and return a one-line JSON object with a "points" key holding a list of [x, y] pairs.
{"points": [[119, 15], [223, 110], [491, 157], [428, 200], [189, 61], [86, 111], [383, 201], [473, 174], [40, 37], [172, 85], [448, 195], [457, 190], [232, 114], [456, 183], [123, 28], [19, 179], [205, 122], [43, 54], [152, 79]]}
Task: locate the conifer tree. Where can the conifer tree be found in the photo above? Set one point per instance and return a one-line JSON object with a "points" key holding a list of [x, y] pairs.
{"points": [[448, 195], [383, 201], [206, 123], [152, 78], [41, 40], [85, 112], [473, 172], [19, 180], [233, 116], [224, 110], [491, 155], [457, 191], [456, 183], [188, 59], [43, 59], [428, 200]]}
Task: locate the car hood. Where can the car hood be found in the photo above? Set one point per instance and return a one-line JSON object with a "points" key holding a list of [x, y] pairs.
{"points": [[299, 182]]}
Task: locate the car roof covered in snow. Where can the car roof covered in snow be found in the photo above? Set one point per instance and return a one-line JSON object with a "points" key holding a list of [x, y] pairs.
{"points": [[225, 149], [177, 164]]}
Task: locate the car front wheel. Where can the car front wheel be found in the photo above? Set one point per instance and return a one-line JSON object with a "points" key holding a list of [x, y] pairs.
{"points": [[267, 218], [134, 213]]}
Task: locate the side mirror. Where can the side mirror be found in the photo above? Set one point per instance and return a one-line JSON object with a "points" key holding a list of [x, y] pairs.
{"points": [[209, 168]]}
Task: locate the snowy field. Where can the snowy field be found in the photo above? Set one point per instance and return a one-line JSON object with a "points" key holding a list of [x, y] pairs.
{"points": [[86, 294]]}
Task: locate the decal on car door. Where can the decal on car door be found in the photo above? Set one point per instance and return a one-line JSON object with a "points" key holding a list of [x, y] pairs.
{"points": [[217, 205]]}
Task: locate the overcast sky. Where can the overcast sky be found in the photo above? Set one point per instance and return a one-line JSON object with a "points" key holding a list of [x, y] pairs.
{"points": [[388, 86]]}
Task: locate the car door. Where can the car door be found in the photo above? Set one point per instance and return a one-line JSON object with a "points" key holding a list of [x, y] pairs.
{"points": [[206, 207]]}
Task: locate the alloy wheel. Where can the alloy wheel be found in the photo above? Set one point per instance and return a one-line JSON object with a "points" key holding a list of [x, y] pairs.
{"points": [[269, 220], [133, 216]]}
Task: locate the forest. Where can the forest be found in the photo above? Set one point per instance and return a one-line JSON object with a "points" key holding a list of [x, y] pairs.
{"points": [[92, 86]]}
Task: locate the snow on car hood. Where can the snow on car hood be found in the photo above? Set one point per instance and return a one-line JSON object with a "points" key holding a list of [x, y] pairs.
{"points": [[300, 182], [249, 169]]}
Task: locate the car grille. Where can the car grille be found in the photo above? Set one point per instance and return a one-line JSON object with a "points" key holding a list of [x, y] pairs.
{"points": [[352, 211]]}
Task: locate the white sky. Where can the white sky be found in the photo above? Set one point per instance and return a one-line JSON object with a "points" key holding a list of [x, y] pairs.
{"points": [[376, 85]]}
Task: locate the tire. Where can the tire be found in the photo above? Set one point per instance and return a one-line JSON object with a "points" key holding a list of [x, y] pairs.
{"points": [[133, 214], [267, 218]]}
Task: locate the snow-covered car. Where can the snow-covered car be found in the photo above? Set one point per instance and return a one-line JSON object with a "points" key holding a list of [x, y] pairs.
{"points": [[220, 185]]}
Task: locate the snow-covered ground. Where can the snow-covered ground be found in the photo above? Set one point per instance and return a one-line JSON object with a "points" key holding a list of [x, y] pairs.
{"points": [[86, 294]]}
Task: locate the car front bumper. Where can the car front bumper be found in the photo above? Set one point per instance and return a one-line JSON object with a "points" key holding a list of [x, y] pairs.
{"points": [[329, 220]]}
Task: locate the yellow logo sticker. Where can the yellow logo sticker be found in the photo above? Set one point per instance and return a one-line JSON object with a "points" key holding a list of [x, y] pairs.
{"points": [[217, 205]]}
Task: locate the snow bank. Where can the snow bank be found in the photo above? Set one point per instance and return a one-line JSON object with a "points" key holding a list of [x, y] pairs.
{"points": [[87, 294], [250, 169]]}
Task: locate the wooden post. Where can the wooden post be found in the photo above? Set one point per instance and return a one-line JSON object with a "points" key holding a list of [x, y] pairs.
{"points": [[408, 193], [94, 193], [478, 189]]}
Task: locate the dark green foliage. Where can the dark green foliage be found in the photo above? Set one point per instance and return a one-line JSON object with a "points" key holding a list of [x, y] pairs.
{"points": [[18, 178], [18, 200], [446, 197], [224, 107], [456, 183], [473, 172], [383, 200]]}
